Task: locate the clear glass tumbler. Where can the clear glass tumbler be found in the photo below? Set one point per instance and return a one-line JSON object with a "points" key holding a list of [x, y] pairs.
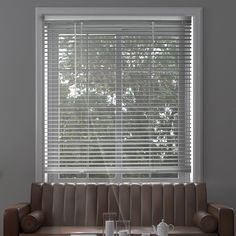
{"points": [[109, 220], [123, 228]]}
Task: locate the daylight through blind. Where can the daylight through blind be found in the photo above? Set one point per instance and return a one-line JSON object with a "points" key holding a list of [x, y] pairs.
{"points": [[117, 98]]}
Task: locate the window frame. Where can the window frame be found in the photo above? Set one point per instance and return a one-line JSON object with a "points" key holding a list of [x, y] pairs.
{"points": [[196, 15]]}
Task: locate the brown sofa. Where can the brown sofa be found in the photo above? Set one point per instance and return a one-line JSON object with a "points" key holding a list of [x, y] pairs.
{"points": [[79, 208]]}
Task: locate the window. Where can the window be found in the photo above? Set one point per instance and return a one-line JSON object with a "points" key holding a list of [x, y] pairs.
{"points": [[117, 98]]}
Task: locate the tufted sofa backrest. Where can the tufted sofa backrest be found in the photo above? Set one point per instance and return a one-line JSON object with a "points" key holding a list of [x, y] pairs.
{"points": [[143, 205]]}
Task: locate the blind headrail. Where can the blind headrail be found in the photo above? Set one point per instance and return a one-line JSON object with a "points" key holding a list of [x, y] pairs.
{"points": [[118, 18]]}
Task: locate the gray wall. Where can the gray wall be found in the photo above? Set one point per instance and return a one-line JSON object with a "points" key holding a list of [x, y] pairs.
{"points": [[17, 93]]}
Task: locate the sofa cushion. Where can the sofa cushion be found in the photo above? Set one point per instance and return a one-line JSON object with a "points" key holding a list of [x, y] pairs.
{"points": [[143, 204], [31, 222], [82, 231], [206, 222]]}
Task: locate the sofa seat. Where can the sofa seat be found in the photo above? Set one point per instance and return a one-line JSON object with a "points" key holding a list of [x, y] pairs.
{"points": [[89, 231]]}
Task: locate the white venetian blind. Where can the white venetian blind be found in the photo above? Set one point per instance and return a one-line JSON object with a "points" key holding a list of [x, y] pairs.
{"points": [[117, 97]]}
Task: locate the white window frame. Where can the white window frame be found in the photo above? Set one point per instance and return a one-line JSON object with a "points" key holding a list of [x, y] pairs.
{"points": [[196, 13]]}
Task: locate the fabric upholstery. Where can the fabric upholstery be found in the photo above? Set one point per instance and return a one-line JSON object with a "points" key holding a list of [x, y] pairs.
{"points": [[31, 222], [206, 222]]}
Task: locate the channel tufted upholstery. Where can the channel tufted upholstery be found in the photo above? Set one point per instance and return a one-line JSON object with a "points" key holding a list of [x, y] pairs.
{"points": [[144, 205], [70, 207]]}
